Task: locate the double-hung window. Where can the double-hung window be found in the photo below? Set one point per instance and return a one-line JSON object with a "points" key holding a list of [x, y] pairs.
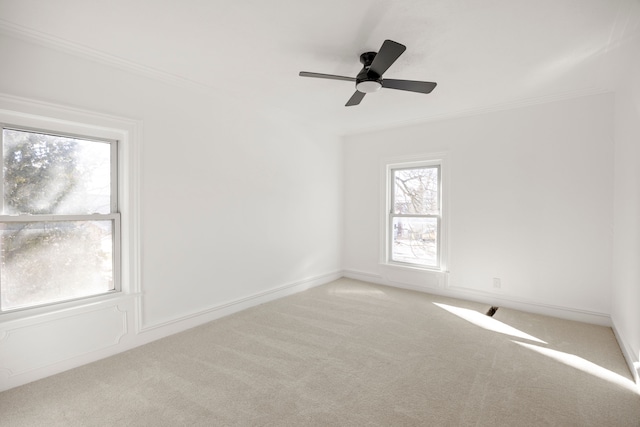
{"points": [[59, 220], [414, 214]]}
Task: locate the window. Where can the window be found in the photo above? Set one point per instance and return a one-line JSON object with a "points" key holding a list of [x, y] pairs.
{"points": [[59, 220], [414, 221]]}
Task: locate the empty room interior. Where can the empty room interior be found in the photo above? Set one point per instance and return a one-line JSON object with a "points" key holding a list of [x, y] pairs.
{"points": [[320, 213]]}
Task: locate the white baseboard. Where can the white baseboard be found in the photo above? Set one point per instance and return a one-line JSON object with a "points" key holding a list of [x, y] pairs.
{"points": [[26, 356], [631, 357], [365, 277], [152, 332], [522, 304], [41, 367]]}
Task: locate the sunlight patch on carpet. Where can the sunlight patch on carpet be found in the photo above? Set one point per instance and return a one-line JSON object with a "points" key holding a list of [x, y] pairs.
{"points": [[486, 322], [584, 365]]}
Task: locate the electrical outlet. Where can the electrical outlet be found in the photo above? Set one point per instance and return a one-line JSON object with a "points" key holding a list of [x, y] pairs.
{"points": [[497, 283]]}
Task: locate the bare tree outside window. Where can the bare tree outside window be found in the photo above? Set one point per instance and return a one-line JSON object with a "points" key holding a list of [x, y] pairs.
{"points": [[415, 215]]}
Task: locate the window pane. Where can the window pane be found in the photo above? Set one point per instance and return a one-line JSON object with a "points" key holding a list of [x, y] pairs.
{"points": [[415, 241], [46, 174], [43, 262], [416, 191]]}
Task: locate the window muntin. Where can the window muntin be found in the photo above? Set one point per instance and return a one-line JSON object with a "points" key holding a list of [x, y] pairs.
{"points": [[59, 224], [415, 216]]}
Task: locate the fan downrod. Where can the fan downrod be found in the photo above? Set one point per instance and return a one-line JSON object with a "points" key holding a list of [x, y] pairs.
{"points": [[367, 58]]}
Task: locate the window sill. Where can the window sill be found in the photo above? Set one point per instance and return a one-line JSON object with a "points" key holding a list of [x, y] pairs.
{"points": [[409, 267], [64, 308]]}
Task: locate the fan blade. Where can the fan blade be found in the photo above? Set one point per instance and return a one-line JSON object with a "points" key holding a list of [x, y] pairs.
{"points": [[389, 52], [409, 85], [326, 76], [355, 99]]}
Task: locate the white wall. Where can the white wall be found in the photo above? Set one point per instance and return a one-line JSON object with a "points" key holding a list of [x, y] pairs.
{"points": [[238, 205], [530, 203], [625, 309], [238, 202]]}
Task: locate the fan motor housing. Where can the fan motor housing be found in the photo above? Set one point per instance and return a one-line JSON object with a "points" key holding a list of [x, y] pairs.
{"points": [[367, 81]]}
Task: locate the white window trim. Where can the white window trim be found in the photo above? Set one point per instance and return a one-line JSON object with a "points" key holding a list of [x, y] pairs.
{"points": [[417, 160], [31, 114]]}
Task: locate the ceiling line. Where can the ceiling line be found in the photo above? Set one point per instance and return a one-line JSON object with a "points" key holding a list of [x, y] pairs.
{"points": [[85, 52], [474, 111]]}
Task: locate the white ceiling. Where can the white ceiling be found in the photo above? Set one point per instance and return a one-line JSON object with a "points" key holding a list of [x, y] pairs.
{"points": [[483, 54]]}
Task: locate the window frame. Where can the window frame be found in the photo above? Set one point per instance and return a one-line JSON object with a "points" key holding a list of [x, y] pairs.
{"points": [[392, 215], [113, 216], [389, 166]]}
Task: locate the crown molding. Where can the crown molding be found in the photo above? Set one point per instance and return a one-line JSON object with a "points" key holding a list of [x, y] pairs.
{"points": [[475, 111], [66, 46]]}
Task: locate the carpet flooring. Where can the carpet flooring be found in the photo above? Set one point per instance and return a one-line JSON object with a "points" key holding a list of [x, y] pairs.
{"points": [[349, 353]]}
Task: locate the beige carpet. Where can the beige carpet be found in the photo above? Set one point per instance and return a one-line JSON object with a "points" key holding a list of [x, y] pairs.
{"points": [[349, 353]]}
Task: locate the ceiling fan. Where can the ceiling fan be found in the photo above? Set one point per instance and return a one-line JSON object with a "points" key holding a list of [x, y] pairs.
{"points": [[369, 79]]}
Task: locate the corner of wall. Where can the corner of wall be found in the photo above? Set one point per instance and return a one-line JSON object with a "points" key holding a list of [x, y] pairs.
{"points": [[630, 356]]}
